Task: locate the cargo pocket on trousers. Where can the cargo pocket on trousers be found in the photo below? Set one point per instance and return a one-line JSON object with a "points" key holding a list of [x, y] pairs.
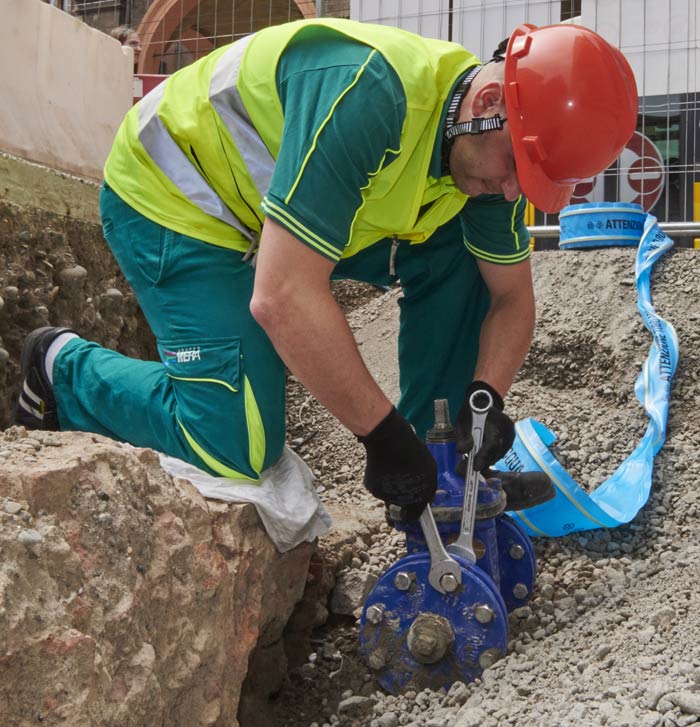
{"points": [[214, 361]]}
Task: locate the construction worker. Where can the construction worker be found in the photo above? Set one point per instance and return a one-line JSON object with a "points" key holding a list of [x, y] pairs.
{"points": [[332, 149]]}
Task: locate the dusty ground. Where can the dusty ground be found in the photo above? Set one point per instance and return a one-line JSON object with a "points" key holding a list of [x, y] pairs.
{"points": [[612, 633]]}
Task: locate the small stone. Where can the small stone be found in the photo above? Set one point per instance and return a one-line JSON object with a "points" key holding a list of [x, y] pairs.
{"points": [[29, 537], [470, 717], [11, 507], [654, 691], [113, 294], [354, 705], [351, 590], [389, 719], [687, 701], [74, 274], [663, 617]]}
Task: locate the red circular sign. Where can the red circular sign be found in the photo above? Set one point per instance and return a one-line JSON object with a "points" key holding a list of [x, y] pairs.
{"points": [[641, 171]]}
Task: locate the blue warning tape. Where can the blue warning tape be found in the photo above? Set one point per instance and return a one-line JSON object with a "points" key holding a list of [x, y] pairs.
{"points": [[626, 491], [601, 224]]}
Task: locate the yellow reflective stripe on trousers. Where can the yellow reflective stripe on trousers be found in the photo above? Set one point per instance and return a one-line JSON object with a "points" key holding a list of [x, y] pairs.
{"points": [[256, 439], [256, 429], [206, 381], [219, 467]]}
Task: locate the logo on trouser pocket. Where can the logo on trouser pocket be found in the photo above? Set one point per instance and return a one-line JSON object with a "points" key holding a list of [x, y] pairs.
{"points": [[215, 361], [182, 355]]}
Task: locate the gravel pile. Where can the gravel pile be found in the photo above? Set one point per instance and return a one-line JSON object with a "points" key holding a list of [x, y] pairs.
{"points": [[612, 633]]}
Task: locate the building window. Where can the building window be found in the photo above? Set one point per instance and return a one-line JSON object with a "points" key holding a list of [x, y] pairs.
{"points": [[570, 9]]}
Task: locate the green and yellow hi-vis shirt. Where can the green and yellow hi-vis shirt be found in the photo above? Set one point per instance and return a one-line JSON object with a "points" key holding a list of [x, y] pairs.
{"points": [[344, 108]]}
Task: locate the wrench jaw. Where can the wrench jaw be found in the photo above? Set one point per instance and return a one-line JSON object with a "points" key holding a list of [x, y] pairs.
{"points": [[480, 402], [445, 577]]}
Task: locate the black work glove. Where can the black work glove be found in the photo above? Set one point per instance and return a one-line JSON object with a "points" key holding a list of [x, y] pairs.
{"points": [[499, 430], [400, 469]]}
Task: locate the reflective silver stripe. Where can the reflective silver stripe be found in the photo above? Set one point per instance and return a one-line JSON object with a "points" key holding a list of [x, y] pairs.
{"points": [[174, 163], [224, 97]]}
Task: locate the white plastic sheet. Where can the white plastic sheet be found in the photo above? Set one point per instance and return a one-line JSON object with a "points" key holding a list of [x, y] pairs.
{"points": [[285, 497]]}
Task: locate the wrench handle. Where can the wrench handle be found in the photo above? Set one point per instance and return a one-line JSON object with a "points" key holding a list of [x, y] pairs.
{"points": [[480, 403], [441, 563]]}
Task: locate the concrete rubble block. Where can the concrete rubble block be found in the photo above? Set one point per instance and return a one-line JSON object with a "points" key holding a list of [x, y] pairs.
{"points": [[351, 590], [127, 598]]}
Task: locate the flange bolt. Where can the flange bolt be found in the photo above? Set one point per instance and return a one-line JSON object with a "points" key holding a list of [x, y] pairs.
{"points": [[449, 583], [429, 638], [520, 590], [375, 613], [377, 660], [403, 580], [489, 657], [517, 551], [484, 613]]}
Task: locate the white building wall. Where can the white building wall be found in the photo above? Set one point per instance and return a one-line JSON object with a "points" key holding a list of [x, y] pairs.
{"points": [[480, 25], [429, 18], [659, 37]]}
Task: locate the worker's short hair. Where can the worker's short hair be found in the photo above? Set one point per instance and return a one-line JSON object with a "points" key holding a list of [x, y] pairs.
{"points": [[500, 53]]}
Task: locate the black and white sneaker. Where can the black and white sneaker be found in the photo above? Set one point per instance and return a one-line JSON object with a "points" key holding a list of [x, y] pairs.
{"points": [[36, 406]]}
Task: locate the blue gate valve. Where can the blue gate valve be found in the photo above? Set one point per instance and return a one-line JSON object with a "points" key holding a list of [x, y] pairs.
{"points": [[440, 614]]}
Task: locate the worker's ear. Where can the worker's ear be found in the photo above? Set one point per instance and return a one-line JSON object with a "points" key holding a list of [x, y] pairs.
{"points": [[488, 98]]}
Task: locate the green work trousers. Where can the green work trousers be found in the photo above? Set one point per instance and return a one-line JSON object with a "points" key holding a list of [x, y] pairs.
{"points": [[216, 398]]}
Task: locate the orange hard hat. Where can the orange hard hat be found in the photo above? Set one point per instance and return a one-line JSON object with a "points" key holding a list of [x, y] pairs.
{"points": [[571, 102]]}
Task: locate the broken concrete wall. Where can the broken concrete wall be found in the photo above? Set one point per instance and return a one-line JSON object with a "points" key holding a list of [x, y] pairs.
{"points": [[125, 597]]}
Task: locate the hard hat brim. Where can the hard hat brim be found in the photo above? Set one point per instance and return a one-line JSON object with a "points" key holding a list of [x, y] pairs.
{"points": [[545, 195]]}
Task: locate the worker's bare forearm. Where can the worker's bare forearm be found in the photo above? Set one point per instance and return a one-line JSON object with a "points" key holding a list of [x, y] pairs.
{"points": [[506, 333], [293, 303], [313, 339]]}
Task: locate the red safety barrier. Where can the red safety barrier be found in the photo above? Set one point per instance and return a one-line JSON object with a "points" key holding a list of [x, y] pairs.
{"points": [[145, 82]]}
